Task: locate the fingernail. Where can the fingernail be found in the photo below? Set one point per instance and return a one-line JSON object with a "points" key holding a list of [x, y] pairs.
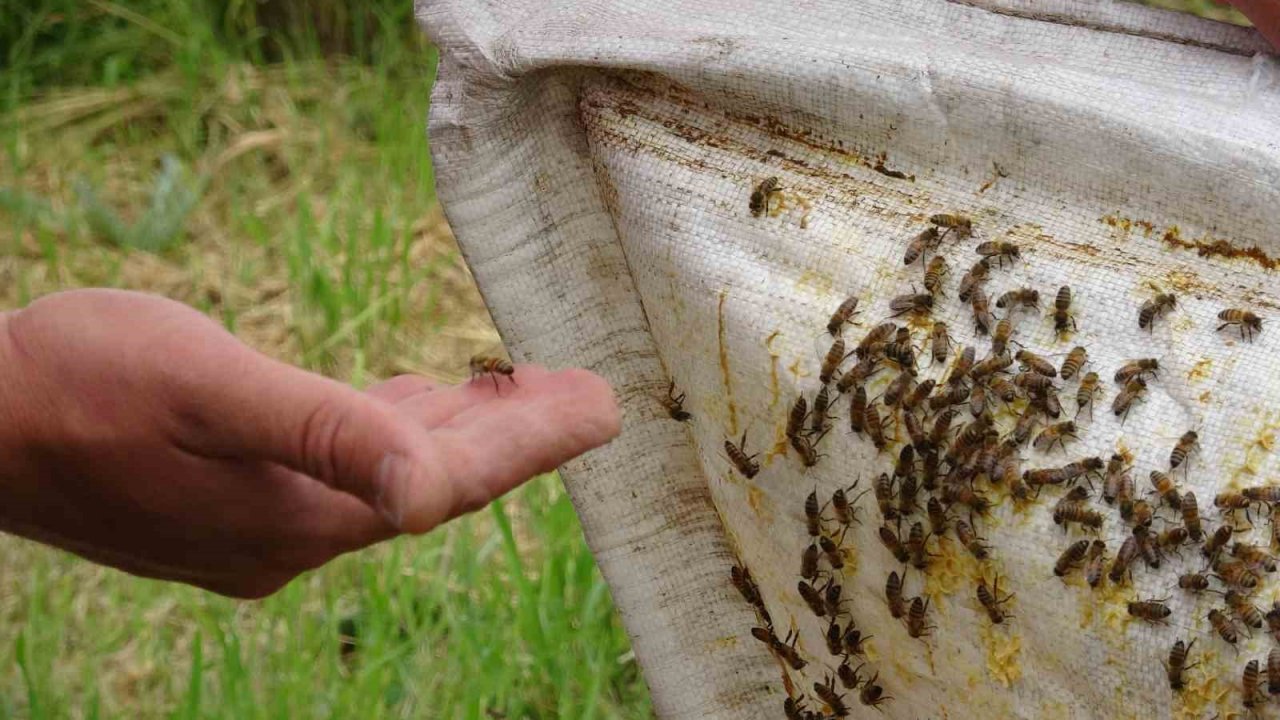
{"points": [[392, 485]]}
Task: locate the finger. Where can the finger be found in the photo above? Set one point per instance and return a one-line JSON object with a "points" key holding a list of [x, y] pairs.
{"points": [[401, 387], [491, 448], [436, 408]]}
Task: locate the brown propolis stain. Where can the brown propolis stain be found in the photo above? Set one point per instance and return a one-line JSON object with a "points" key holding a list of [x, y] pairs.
{"points": [[726, 376], [1218, 248]]}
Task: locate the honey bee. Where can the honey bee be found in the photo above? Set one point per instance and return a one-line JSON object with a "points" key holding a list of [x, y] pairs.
{"points": [[858, 374], [1046, 400], [762, 195], [1124, 560], [809, 562], [1000, 251], [674, 404], [883, 488], [741, 578], [1005, 390], [929, 470], [990, 366], [746, 464], [835, 355], [1008, 473], [832, 551], [826, 692], [1177, 664], [991, 600], [1088, 390], [1265, 494], [1035, 363], [940, 339], [1235, 573], [898, 389], [1273, 621], [1191, 517], [918, 303], [904, 471], [842, 315], [934, 274], [854, 641], [1071, 557], [1137, 369], [812, 597], [1133, 390], [917, 620], [901, 351], [818, 417], [482, 365], [978, 400], [833, 637], [1249, 686], [942, 427], [1153, 611], [1077, 513], [1026, 297], [793, 709], [983, 320], [1164, 487], [962, 367], [1074, 361], [1033, 382], [875, 339], [1224, 626], [920, 244], [1116, 478], [1245, 611], [893, 594], [1155, 308], [1193, 582], [1147, 546], [937, 517], [1172, 539], [918, 545], [1273, 671], [1056, 433], [1044, 476], [813, 514], [1232, 502], [1245, 320], [874, 427], [872, 694], [1062, 310], [857, 411], [952, 221], [787, 650], [917, 396], [1217, 541], [974, 279], [1001, 335], [1140, 513], [894, 544], [1026, 425], [846, 513], [848, 675], [1095, 563], [1253, 555], [796, 418]]}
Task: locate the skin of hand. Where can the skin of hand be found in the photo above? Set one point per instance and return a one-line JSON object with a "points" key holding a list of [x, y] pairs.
{"points": [[1264, 14], [137, 433]]}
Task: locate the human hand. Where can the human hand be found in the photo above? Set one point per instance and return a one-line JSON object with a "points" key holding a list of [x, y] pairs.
{"points": [[136, 432], [1264, 14]]}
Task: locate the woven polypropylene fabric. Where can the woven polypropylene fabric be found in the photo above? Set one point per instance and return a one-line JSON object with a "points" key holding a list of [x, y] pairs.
{"points": [[596, 160]]}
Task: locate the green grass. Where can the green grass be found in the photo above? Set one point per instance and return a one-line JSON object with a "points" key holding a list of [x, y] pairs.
{"points": [[268, 164]]}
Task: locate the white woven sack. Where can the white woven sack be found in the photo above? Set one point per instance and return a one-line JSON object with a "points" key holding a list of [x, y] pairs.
{"points": [[596, 160]]}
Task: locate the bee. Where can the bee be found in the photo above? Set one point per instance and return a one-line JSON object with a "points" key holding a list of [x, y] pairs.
{"points": [[1244, 319], [940, 339], [762, 195], [1083, 468], [904, 471], [809, 562], [1193, 582], [1249, 686], [1254, 556], [929, 466], [1071, 557], [1153, 611], [1001, 335], [833, 637], [920, 244], [832, 551], [1273, 671], [901, 351], [1056, 433], [857, 412], [1035, 363], [894, 544], [1245, 611], [1008, 472], [1089, 388], [990, 366], [482, 365], [962, 367], [846, 513], [983, 320], [842, 315], [1191, 516], [787, 649], [918, 395], [941, 427], [898, 389], [1141, 513], [872, 694], [1000, 251], [1236, 573], [1003, 389], [874, 427], [883, 488], [813, 514], [1077, 513], [741, 578], [1217, 541], [934, 274], [1133, 390], [1177, 664], [893, 594], [1026, 425], [1232, 502], [956, 394], [1147, 546], [1026, 297], [1155, 308], [1137, 369], [854, 640], [1117, 475], [793, 709], [974, 279], [826, 692], [1273, 621], [937, 517], [952, 221], [1033, 382], [796, 418], [918, 303], [848, 675], [1062, 310], [978, 401], [746, 464], [1044, 476], [1266, 494], [1095, 563], [858, 374], [1164, 487], [874, 339], [818, 418], [835, 355], [674, 404], [918, 545], [1046, 400], [1224, 626], [812, 597], [991, 600], [1124, 560], [1074, 361], [917, 620]]}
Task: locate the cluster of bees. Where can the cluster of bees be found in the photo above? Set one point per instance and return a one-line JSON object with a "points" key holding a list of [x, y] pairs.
{"points": [[950, 470]]}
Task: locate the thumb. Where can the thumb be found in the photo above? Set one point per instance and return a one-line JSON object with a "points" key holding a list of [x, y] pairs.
{"points": [[256, 407]]}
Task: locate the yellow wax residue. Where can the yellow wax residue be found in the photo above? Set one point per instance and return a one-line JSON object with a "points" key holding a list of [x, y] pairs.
{"points": [[1200, 370], [1115, 608], [726, 375], [724, 642], [1204, 397], [774, 389], [850, 554], [819, 282], [1002, 654], [779, 448], [796, 369], [756, 499], [1204, 690], [1122, 224], [870, 648], [952, 569]]}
